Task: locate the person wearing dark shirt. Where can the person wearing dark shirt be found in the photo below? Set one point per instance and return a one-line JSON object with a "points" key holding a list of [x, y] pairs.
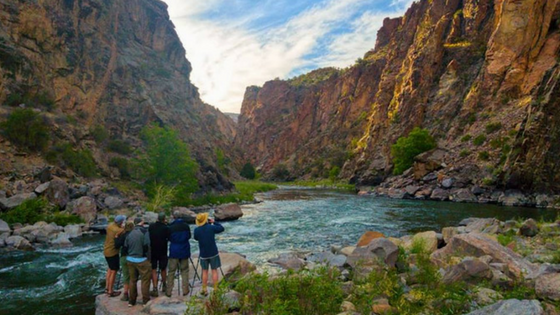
{"points": [[209, 256], [159, 233], [179, 253], [137, 245]]}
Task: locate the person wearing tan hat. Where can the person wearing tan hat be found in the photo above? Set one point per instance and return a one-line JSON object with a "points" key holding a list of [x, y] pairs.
{"points": [[205, 234]]}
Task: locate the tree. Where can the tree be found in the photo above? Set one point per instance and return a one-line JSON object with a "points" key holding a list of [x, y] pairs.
{"points": [[26, 129], [248, 171], [167, 160], [406, 148], [280, 172]]}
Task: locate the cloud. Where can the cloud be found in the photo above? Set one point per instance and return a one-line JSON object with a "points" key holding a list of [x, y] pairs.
{"points": [[230, 50]]}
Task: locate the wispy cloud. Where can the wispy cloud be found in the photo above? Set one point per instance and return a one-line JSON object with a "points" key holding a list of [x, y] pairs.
{"points": [[236, 43]]}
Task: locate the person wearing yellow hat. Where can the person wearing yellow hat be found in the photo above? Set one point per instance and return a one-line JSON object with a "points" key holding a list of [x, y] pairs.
{"points": [[205, 234]]}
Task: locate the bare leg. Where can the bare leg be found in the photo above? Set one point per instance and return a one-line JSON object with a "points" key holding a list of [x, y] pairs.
{"points": [[215, 278], [107, 280], [204, 280], [112, 274], [154, 279]]}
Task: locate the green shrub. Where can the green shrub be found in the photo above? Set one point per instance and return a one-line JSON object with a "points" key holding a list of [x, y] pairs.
{"points": [[248, 171], [479, 140], [63, 219], [280, 172], [99, 133], [493, 127], [119, 146], [484, 156], [121, 164], [488, 181], [406, 148], [26, 129], [222, 161], [310, 292], [466, 138], [41, 99], [334, 172], [80, 161], [464, 153], [29, 212], [167, 161]]}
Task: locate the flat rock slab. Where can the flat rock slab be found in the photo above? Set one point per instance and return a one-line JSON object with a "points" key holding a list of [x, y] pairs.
{"points": [[511, 307]]}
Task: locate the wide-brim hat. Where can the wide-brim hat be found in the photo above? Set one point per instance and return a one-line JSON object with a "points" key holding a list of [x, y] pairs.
{"points": [[201, 219]]}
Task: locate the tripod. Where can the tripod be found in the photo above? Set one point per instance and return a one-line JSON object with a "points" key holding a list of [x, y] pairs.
{"points": [[200, 278]]}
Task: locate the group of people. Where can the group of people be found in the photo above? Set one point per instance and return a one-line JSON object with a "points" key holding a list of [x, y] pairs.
{"points": [[143, 252]]}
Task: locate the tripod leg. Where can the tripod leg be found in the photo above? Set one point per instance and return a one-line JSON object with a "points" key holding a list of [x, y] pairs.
{"points": [[196, 275], [194, 278]]}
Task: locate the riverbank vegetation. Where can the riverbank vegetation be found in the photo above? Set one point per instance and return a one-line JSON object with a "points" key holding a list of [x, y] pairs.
{"points": [[39, 209], [323, 183]]}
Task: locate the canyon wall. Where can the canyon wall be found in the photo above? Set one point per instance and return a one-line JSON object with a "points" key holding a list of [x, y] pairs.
{"points": [[486, 69]]}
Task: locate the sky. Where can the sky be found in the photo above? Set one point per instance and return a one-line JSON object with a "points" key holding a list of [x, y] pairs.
{"points": [[233, 44]]}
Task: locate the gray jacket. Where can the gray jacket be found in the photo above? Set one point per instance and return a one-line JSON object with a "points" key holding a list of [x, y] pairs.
{"points": [[137, 242]]}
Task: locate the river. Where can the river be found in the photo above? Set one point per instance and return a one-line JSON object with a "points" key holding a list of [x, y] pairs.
{"points": [[65, 281]]}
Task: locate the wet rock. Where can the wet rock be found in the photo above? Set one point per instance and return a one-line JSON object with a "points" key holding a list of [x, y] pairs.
{"points": [[439, 194], [4, 227], [462, 195], [511, 307], [288, 261], [477, 245], [57, 193], [113, 202], [514, 198], [84, 207], [14, 201], [73, 230], [19, 243], [186, 214], [471, 270], [396, 193], [42, 188], [543, 201], [369, 236], [423, 193], [547, 286], [529, 228], [328, 258], [228, 212], [61, 240]]}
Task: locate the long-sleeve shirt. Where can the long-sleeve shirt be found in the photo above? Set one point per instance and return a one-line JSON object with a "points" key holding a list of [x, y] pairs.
{"points": [[137, 244], [206, 237], [179, 235], [109, 249]]}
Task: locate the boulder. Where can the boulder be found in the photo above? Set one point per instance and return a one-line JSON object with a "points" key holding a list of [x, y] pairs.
{"points": [[4, 227], [232, 300], [3, 238], [439, 194], [428, 239], [327, 258], [165, 306], [62, 240], [57, 192], [347, 251], [544, 201], [379, 252], [477, 245], [511, 307], [186, 214], [412, 189], [228, 212], [423, 193], [477, 190], [471, 270], [347, 306], [84, 207], [288, 261], [463, 195], [514, 198], [449, 232], [368, 236], [150, 217], [547, 286], [73, 230], [447, 183], [396, 193], [529, 228], [19, 243], [485, 296], [483, 225], [16, 200], [42, 188], [234, 266], [113, 202], [428, 162]]}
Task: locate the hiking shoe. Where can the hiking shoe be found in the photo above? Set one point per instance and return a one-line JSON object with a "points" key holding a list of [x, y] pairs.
{"points": [[124, 298], [131, 304], [164, 288], [154, 293], [204, 293], [186, 292]]}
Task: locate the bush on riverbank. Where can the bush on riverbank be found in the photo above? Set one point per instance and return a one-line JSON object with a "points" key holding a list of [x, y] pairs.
{"points": [[324, 183], [39, 209], [245, 192], [406, 148]]}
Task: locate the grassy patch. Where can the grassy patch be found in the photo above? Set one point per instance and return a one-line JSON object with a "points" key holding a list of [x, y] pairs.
{"points": [[323, 183], [39, 209], [479, 140]]}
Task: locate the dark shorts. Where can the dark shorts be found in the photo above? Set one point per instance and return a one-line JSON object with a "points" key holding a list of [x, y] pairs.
{"points": [[113, 262], [159, 260], [214, 262]]}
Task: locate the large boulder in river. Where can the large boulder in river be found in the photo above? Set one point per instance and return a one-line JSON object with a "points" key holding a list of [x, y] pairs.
{"points": [[511, 307], [84, 207], [369, 236], [73, 230], [57, 192], [186, 214], [19, 243], [478, 245], [61, 240], [228, 212]]}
